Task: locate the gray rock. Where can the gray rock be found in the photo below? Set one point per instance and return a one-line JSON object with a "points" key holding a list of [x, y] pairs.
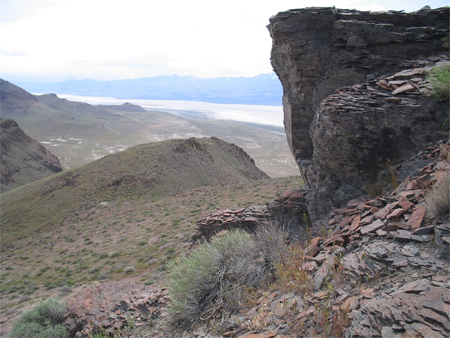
{"points": [[417, 307], [340, 139], [443, 240]]}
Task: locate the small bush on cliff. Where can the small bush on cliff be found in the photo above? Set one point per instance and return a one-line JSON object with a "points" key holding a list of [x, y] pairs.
{"points": [[214, 276], [45, 320], [439, 79]]}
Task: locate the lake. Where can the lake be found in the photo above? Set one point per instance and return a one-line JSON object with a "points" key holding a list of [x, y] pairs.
{"points": [[268, 115]]}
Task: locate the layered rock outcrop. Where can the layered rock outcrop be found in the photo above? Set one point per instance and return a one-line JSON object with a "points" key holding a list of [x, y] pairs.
{"points": [[317, 50], [287, 209], [342, 141]]}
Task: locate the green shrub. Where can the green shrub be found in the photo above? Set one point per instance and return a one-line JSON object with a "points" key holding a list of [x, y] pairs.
{"points": [[439, 83], [215, 275], [45, 320]]}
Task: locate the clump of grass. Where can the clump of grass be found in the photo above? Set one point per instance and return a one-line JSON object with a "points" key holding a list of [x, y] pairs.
{"points": [[438, 197], [439, 83], [290, 273], [215, 276], [45, 320]]}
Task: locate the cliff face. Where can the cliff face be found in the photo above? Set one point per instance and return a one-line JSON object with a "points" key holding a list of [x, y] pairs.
{"points": [[341, 138], [23, 159], [317, 50]]}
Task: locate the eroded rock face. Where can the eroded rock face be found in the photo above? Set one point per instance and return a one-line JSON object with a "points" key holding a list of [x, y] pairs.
{"points": [[317, 50], [342, 138], [365, 128]]}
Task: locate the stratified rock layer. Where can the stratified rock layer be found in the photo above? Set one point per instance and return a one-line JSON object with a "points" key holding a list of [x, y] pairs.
{"points": [[342, 140], [317, 50], [363, 129]]}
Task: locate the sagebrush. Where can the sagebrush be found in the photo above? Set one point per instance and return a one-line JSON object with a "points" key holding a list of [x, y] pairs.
{"points": [[44, 320], [215, 275]]}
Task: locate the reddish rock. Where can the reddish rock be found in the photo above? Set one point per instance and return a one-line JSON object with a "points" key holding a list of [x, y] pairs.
{"points": [[405, 204], [384, 84], [404, 89], [391, 226], [381, 232], [115, 298], [355, 224], [335, 240], [415, 221], [309, 266], [396, 213], [350, 304], [406, 74]]}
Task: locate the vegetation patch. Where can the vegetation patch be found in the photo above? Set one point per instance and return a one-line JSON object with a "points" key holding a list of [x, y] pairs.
{"points": [[45, 320], [214, 277], [439, 83]]}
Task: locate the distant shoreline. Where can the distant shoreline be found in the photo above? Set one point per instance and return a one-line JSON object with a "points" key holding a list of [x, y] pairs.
{"points": [[254, 114]]}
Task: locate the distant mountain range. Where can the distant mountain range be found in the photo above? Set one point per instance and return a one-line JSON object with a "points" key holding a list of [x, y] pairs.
{"points": [[263, 89]]}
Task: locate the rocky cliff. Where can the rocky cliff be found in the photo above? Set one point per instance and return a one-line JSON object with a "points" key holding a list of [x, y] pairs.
{"points": [[342, 141], [23, 159]]}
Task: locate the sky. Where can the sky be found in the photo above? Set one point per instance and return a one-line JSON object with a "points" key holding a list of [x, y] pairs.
{"points": [[57, 40]]}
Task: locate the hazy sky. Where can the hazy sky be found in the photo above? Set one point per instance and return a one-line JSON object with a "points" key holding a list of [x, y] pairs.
{"points": [[53, 40]]}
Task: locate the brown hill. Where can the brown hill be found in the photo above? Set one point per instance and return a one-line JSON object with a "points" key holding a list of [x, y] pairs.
{"points": [[141, 173], [23, 159], [14, 100]]}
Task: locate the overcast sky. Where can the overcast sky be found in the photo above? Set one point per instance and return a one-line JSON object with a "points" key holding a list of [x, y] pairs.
{"points": [[54, 40]]}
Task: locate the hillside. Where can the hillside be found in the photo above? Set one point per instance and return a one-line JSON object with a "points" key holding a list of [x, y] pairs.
{"points": [[14, 100], [122, 218], [145, 172], [23, 160], [79, 133], [263, 89]]}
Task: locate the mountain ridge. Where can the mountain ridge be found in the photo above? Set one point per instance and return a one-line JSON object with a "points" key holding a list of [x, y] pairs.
{"points": [[149, 171], [262, 89], [23, 159]]}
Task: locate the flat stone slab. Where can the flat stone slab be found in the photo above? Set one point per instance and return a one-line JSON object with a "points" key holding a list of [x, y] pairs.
{"points": [[378, 224]]}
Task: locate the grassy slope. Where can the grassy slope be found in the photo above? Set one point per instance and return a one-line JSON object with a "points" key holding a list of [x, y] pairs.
{"points": [[148, 171], [59, 231]]}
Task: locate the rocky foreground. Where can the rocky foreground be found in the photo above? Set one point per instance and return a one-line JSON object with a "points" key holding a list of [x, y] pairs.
{"points": [[393, 262]]}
